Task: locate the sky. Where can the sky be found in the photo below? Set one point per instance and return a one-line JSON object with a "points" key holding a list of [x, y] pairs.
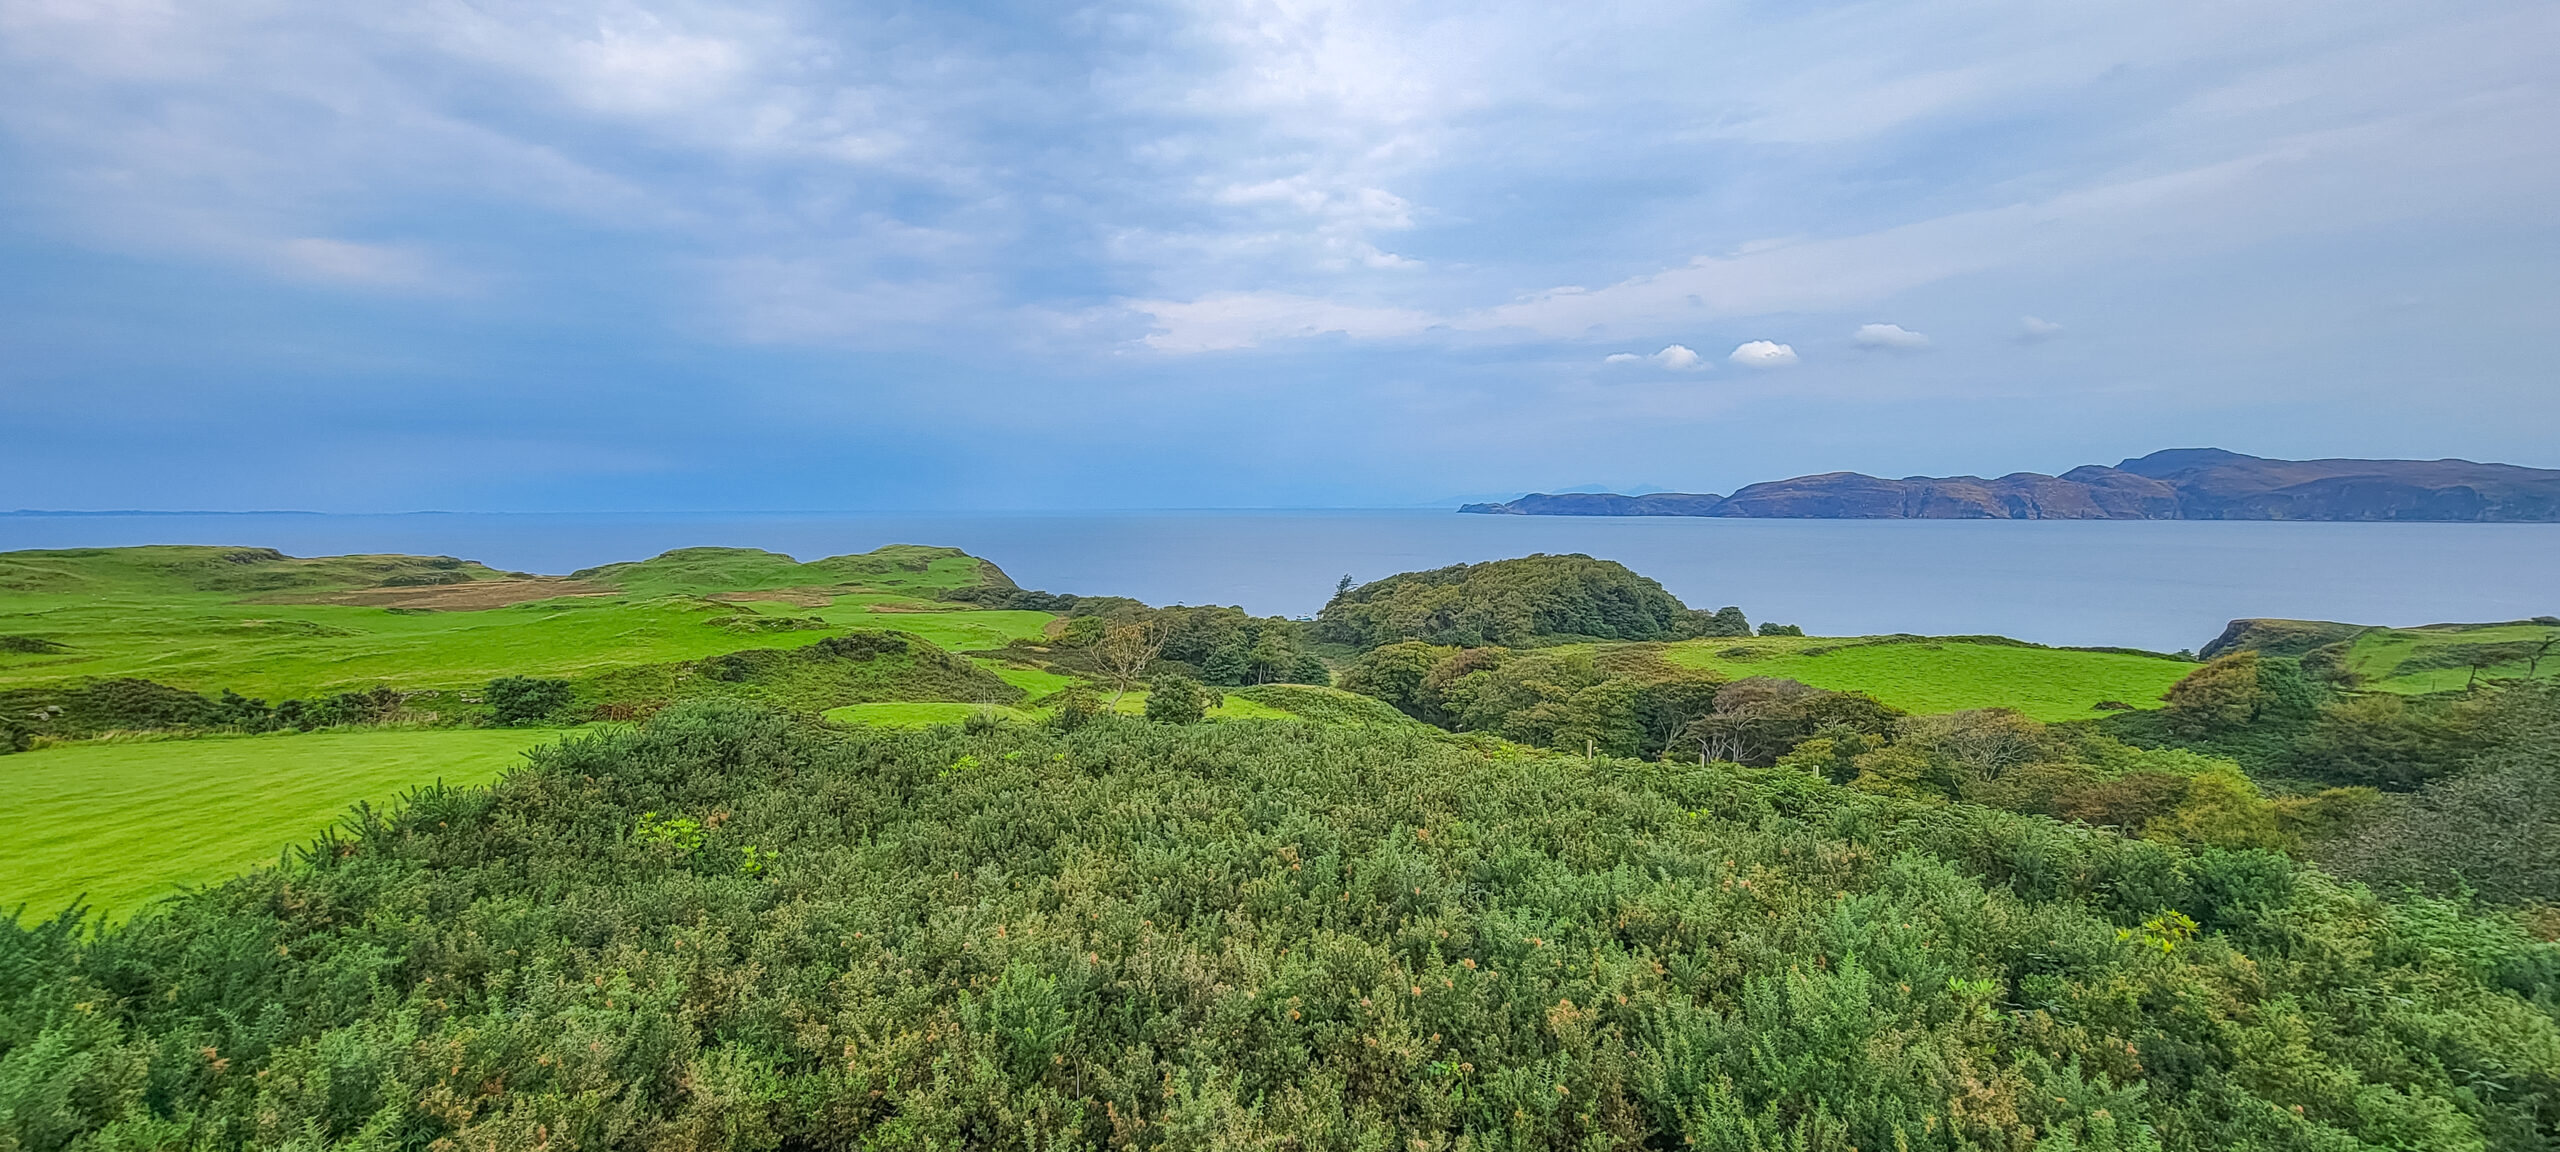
{"points": [[781, 255]]}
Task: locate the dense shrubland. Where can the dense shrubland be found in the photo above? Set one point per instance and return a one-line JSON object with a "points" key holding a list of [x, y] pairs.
{"points": [[1215, 645], [724, 931], [2248, 753]]}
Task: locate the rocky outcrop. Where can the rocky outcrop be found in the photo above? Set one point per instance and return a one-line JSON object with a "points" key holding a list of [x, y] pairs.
{"points": [[2178, 484]]}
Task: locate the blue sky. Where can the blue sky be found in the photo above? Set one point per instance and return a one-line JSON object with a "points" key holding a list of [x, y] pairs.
{"points": [[575, 255]]}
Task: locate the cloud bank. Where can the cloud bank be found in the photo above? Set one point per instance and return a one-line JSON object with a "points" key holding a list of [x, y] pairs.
{"points": [[335, 237], [1893, 337]]}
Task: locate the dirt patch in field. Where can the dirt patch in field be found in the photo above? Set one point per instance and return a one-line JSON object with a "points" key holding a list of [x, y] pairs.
{"points": [[796, 597], [470, 597]]}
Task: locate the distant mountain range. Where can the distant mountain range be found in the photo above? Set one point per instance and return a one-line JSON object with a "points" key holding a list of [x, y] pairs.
{"points": [[2177, 484]]}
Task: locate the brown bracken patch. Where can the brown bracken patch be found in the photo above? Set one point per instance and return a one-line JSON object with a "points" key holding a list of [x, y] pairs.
{"points": [[468, 597]]}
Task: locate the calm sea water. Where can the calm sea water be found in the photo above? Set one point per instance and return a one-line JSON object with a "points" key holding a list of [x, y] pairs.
{"points": [[2163, 585]]}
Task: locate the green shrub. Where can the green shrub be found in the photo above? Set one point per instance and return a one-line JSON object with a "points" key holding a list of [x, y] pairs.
{"points": [[517, 700], [1074, 707], [1280, 934], [1174, 698]]}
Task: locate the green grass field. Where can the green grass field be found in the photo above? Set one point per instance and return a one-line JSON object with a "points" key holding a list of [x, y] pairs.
{"points": [[1947, 675], [2414, 660], [270, 629], [128, 822], [2432, 658]]}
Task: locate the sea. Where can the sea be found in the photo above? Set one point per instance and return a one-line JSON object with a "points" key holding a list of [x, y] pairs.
{"points": [[2160, 585]]}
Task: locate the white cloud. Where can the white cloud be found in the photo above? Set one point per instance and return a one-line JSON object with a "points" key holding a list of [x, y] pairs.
{"points": [[1228, 320], [1763, 354], [1680, 358], [1620, 358], [2031, 328], [348, 262], [1890, 336]]}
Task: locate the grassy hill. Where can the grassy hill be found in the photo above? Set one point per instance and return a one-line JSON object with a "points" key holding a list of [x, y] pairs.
{"points": [[1948, 674], [2431, 658], [265, 625], [126, 822]]}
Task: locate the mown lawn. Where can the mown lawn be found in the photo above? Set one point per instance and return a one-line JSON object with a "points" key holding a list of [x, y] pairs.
{"points": [[917, 714], [128, 822], [1930, 676]]}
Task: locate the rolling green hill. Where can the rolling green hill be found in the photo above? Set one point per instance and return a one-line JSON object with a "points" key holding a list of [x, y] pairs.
{"points": [[2431, 658], [255, 622], [1948, 674]]}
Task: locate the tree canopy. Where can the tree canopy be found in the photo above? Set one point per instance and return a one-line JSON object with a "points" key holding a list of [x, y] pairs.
{"points": [[1513, 603]]}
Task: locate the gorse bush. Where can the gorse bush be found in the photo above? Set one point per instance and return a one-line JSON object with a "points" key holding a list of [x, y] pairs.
{"points": [[526, 699], [723, 931], [1174, 698]]}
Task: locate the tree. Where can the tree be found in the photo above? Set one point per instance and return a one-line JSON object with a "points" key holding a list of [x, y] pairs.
{"points": [[517, 700], [1725, 621], [1508, 602], [1985, 743], [1781, 630], [1126, 650], [1178, 699], [1395, 673]]}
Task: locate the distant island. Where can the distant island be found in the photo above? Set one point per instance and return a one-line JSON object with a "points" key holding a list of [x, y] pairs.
{"points": [[2176, 484]]}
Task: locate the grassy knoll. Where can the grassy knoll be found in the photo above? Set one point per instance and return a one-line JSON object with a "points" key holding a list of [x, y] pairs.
{"points": [[861, 668], [2432, 658], [907, 569], [127, 822], [276, 627], [2440, 659], [1947, 675], [1323, 705], [1034, 682]]}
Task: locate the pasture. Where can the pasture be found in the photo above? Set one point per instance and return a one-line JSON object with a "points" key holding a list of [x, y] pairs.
{"points": [[1928, 675], [127, 822], [2442, 659], [284, 628]]}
